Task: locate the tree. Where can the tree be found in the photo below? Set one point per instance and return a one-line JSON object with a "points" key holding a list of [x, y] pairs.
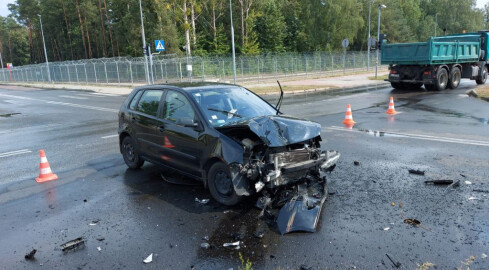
{"points": [[270, 27]]}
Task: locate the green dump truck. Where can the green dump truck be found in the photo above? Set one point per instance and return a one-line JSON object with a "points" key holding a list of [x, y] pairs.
{"points": [[439, 63]]}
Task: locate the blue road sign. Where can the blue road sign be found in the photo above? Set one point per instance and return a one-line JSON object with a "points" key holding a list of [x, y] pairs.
{"points": [[159, 45]]}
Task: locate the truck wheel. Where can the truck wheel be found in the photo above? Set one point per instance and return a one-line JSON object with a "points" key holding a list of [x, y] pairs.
{"points": [[484, 77], [455, 76], [441, 79], [221, 185], [396, 85]]}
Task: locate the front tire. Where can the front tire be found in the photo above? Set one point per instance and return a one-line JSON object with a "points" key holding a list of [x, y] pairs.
{"points": [[130, 155], [484, 77], [441, 79], [221, 185], [455, 76]]}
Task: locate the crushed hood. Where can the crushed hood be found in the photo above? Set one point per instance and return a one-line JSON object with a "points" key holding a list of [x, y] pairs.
{"points": [[277, 131]]}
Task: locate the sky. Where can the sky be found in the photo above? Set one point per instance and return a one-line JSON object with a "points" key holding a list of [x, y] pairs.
{"points": [[4, 10]]}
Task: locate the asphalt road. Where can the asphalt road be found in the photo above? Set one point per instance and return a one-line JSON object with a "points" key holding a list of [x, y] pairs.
{"points": [[137, 213]]}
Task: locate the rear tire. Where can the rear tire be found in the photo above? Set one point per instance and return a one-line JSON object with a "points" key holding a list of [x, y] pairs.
{"points": [[221, 185], [130, 155], [455, 76], [484, 77], [441, 79]]}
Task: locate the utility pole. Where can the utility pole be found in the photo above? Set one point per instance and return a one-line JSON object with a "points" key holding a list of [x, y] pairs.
{"points": [[368, 41], [232, 41], [44, 44], [381, 6], [1, 59], [436, 22], [144, 45]]}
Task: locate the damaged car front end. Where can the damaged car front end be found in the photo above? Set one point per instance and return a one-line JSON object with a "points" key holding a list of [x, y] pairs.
{"points": [[284, 165]]}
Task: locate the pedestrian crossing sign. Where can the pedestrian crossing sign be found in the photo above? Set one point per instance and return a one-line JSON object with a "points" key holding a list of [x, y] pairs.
{"points": [[160, 45]]}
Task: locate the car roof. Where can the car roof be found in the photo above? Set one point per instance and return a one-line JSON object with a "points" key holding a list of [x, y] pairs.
{"points": [[189, 86]]}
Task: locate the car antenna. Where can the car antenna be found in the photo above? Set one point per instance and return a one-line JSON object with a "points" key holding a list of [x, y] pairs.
{"points": [[279, 103]]}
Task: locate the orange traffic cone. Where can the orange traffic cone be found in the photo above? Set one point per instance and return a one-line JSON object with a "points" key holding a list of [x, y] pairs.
{"points": [[348, 116], [45, 173], [391, 109]]}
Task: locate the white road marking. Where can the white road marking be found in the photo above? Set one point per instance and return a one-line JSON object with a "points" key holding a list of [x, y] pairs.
{"points": [[110, 136], [23, 129], [65, 104], [73, 97], [104, 94], [418, 137], [13, 153]]}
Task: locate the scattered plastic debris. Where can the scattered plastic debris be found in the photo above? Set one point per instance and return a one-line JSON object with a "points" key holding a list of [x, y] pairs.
{"points": [[412, 221], [481, 190], [472, 198], [468, 183], [483, 256], [85, 200], [94, 222], [101, 239], [396, 264], [439, 182], [305, 267], [30, 255], [387, 228], [206, 238], [203, 201], [73, 244], [393, 203], [234, 245], [205, 245], [454, 184], [149, 258], [99, 248], [418, 172], [356, 163]]}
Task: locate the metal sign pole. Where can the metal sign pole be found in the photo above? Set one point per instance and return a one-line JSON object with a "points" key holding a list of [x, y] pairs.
{"points": [[232, 42], [144, 44], [45, 52]]}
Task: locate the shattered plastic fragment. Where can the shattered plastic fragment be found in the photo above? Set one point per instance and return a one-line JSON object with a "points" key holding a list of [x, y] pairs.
{"points": [[418, 172], [468, 183], [203, 201], [259, 186], [205, 245], [483, 256], [94, 222], [73, 244], [356, 163], [234, 245], [30, 255], [472, 198], [149, 258], [387, 228], [396, 264], [99, 248], [439, 182], [412, 221]]}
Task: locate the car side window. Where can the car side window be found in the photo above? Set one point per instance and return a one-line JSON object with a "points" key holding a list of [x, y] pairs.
{"points": [[177, 106], [149, 101], [134, 100]]}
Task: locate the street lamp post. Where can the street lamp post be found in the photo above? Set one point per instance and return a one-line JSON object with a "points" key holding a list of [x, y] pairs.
{"points": [[44, 45], [232, 41], [381, 6], [144, 44], [368, 41]]}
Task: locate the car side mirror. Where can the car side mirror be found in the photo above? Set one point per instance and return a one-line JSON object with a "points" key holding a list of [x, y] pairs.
{"points": [[188, 122]]}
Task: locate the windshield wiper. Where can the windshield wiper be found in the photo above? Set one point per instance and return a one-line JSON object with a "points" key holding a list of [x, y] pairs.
{"points": [[223, 111]]}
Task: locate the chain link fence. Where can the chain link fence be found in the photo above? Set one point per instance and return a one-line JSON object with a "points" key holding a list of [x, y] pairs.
{"points": [[131, 70]]}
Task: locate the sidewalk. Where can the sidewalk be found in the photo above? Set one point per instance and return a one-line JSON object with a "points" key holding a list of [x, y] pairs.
{"points": [[291, 85]]}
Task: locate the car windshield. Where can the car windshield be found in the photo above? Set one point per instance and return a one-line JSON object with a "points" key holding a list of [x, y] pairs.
{"points": [[223, 106]]}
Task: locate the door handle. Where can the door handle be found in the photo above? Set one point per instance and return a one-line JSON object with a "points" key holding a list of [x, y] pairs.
{"points": [[161, 128]]}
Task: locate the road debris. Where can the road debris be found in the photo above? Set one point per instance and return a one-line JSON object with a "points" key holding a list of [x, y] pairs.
{"points": [[387, 228], [203, 201], [418, 172], [439, 182], [233, 245], [472, 198], [148, 259], [468, 183], [396, 264], [259, 234], [205, 245], [393, 203], [101, 239], [305, 267], [412, 221], [73, 244], [483, 256], [99, 249], [206, 238], [481, 190], [356, 163], [454, 184], [94, 222], [30, 255]]}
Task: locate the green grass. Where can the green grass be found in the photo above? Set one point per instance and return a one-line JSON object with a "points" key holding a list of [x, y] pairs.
{"points": [[379, 78], [286, 88]]}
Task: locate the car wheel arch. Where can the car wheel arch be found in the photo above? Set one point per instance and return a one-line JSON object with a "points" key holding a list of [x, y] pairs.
{"points": [[205, 169], [121, 138]]}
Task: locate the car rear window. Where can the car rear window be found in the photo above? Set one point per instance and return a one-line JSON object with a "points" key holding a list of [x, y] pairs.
{"points": [[149, 102]]}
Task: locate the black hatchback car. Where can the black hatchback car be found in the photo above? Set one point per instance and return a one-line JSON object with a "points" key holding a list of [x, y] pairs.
{"points": [[224, 135]]}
